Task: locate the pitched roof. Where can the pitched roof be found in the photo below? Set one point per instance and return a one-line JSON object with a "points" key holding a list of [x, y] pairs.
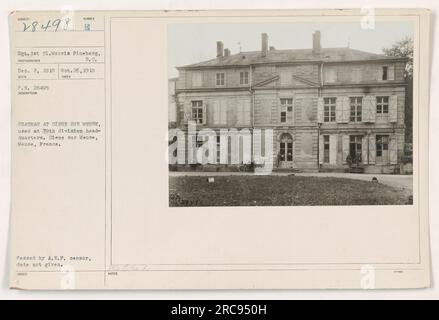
{"points": [[292, 55]]}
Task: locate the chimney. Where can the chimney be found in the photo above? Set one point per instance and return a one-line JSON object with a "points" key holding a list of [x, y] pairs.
{"points": [[264, 48], [316, 45], [226, 52], [219, 49]]}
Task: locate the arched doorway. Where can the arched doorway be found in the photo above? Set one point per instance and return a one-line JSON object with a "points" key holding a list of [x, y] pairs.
{"points": [[285, 151]]}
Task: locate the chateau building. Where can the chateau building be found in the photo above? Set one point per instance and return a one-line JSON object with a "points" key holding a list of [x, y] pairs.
{"points": [[330, 109]]}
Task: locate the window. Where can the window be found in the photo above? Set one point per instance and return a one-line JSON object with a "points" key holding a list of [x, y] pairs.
{"points": [[197, 111], [329, 109], [385, 73], [330, 75], [382, 105], [286, 147], [326, 149], [382, 145], [199, 141], [197, 79], [356, 75], [355, 147], [220, 79], [243, 77], [218, 149], [286, 110], [356, 104]]}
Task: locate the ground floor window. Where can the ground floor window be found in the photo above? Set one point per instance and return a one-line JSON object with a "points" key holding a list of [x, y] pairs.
{"points": [[355, 149], [286, 148], [382, 149], [326, 149], [218, 149]]}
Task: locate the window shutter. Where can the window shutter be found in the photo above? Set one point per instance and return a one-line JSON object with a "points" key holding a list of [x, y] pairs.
{"points": [[391, 72], [321, 149], [393, 108], [379, 75], [369, 109], [240, 113], [187, 112], [223, 112], [216, 112], [345, 109], [224, 148], [345, 147], [393, 149], [364, 145], [247, 112], [204, 113], [333, 148], [372, 149], [339, 109], [181, 151], [274, 112], [366, 109], [257, 146], [320, 110]]}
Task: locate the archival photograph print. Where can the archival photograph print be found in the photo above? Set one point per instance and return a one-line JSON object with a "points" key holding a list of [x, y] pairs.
{"points": [[290, 114]]}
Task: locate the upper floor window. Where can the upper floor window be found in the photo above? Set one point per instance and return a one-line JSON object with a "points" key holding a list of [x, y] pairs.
{"points": [[382, 105], [382, 108], [356, 104], [220, 78], [385, 73], [243, 77], [329, 109], [356, 75], [286, 110], [197, 79], [331, 75], [197, 111]]}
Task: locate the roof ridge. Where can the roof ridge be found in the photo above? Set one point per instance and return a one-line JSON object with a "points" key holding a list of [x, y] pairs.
{"points": [[334, 54]]}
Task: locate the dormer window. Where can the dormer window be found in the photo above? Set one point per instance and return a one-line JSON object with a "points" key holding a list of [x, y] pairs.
{"points": [[220, 79]]}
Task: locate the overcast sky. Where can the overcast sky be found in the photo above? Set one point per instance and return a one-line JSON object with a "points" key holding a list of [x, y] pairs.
{"points": [[195, 42]]}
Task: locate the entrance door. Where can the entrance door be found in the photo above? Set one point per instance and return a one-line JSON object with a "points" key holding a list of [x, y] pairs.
{"points": [[286, 151]]}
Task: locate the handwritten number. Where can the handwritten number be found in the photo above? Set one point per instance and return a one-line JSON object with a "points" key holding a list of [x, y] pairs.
{"points": [[56, 24]]}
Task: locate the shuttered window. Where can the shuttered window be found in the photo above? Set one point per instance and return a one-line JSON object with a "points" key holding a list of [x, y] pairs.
{"points": [[329, 106], [356, 104], [382, 108]]}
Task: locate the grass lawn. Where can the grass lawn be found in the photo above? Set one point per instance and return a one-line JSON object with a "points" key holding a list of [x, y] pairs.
{"points": [[280, 191]]}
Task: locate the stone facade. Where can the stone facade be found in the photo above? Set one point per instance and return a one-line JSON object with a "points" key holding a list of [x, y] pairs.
{"points": [[329, 109]]}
